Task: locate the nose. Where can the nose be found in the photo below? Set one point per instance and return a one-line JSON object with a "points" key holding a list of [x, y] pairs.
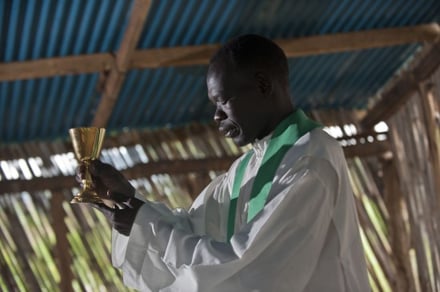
{"points": [[219, 115]]}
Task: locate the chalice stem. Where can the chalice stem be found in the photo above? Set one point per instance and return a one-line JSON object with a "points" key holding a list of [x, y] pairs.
{"points": [[87, 143], [87, 182]]}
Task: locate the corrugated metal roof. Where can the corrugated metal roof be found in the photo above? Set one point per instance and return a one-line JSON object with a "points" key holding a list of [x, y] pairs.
{"points": [[40, 29], [174, 23], [45, 108]]}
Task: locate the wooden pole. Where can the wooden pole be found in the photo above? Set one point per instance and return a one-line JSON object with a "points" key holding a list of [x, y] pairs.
{"points": [[394, 97], [431, 111], [399, 237], [116, 76], [62, 249], [200, 54], [407, 137], [179, 166], [57, 66]]}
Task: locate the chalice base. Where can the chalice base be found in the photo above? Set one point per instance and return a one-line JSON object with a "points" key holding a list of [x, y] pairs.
{"points": [[92, 198], [86, 196]]}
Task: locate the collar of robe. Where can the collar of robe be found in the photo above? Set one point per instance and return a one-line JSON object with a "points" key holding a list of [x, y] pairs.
{"points": [[284, 136]]}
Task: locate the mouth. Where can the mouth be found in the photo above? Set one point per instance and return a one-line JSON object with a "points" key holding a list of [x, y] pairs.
{"points": [[229, 132]]}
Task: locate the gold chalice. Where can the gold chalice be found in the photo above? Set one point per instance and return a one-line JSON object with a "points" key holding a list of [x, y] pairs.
{"points": [[87, 143]]}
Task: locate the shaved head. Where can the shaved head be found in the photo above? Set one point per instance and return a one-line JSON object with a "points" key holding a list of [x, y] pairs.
{"points": [[256, 53]]}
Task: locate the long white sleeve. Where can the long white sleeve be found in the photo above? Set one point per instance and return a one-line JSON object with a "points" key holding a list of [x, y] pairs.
{"points": [[296, 243], [163, 253]]}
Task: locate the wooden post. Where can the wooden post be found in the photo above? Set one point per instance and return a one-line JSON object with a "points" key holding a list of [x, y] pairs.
{"points": [[128, 58], [407, 136], [396, 95], [431, 113], [116, 76], [62, 249], [177, 166], [399, 237]]}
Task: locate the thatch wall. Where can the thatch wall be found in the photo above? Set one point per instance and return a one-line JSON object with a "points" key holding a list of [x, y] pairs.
{"points": [[415, 138]]}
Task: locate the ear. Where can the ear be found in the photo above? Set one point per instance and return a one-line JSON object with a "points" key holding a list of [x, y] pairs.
{"points": [[264, 83]]}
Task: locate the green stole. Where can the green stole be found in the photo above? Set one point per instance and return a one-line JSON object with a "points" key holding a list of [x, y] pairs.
{"points": [[284, 136]]}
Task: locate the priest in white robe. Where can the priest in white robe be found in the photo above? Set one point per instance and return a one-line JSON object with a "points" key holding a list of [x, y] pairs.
{"points": [[282, 218]]}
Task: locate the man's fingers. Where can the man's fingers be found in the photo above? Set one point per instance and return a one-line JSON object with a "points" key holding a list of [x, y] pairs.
{"points": [[106, 210], [111, 178], [102, 169], [117, 197], [80, 173]]}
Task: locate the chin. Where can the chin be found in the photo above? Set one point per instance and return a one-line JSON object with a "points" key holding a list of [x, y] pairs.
{"points": [[240, 141]]}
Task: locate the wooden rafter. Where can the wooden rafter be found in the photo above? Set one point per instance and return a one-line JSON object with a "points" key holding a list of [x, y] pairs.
{"points": [[337, 117], [62, 248], [140, 170], [363, 150], [116, 76], [393, 98], [430, 107], [295, 47], [70, 65], [199, 55], [366, 144], [178, 166], [128, 139], [352, 41]]}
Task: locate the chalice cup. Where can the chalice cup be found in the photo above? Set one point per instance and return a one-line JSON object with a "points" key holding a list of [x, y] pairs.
{"points": [[87, 143]]}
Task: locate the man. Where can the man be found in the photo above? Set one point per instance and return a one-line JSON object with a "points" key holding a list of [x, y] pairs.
{"points": [[281, 219]]}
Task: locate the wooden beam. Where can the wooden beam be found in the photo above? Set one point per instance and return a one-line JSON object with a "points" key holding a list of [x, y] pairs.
{"points": [[393, 98], [295, 47], [366, 144], [360, 40], [398, 234], [337, 117], [175, 167], [138, 171], [173, 57], [369, 149], [430, 109], [116, 76], [200, 55], [45, 149], [62, 248], [50, 67]]}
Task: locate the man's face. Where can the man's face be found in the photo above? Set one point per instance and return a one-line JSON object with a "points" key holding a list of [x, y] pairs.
{"points": [[241, 107]]}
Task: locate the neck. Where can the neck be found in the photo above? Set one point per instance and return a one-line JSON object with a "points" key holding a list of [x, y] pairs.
{"points": [[283, 112], [278, 118]]}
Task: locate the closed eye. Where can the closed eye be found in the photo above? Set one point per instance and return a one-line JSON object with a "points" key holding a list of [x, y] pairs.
{"points": [[226, 101]]}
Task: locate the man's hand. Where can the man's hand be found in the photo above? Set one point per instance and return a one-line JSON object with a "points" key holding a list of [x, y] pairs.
{"points": [[108, 182], [121, 219], [111, 185]]}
